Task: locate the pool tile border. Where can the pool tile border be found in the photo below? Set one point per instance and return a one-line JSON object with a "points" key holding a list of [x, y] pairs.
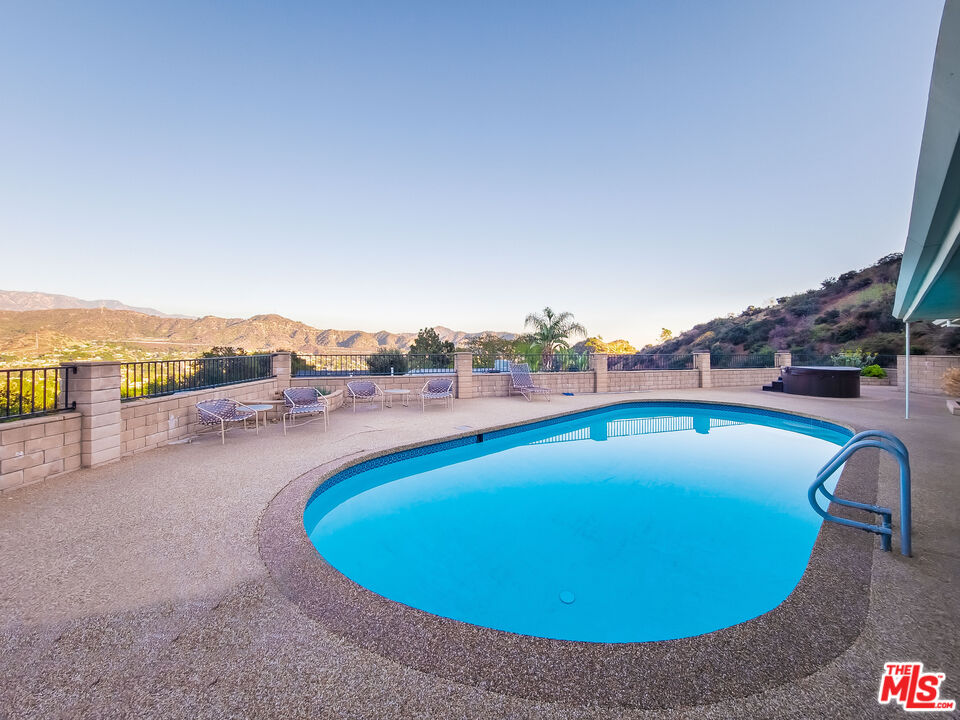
{"points": [[393, 456], [817, 622]]}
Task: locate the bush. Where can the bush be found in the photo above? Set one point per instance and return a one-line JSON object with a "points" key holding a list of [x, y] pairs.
{"points": [[388, 362], [850, 331], [951, 340], [735, 335], [853, 358], [670, 346], [888, 323], [830, 316], [802, 308], [884, 343], [874, 371], [759, 330]]}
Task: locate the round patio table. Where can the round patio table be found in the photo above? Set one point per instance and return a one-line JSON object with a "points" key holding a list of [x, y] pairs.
{"points": [[404, 397], [260, 408]]}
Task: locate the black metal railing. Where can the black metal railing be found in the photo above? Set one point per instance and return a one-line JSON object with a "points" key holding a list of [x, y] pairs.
{"points": [[164, 377], [884, 360], [489, 363], [650, 361], [737, 361], [389, 363], [27, 392], [557, 362]]}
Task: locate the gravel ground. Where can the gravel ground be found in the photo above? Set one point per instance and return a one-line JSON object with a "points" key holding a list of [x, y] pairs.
{"points": [[137, 589]]}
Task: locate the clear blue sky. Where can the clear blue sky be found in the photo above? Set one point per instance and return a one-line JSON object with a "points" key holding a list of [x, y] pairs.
{"points": [[391, 165]]}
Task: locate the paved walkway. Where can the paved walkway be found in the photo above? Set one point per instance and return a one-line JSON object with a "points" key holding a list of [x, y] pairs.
{"points": [[137, 589]]}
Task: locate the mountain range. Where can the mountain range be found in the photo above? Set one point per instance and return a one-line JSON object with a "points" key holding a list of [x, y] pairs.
{"points": [[851, 310], [23, 300], [32, 332]]}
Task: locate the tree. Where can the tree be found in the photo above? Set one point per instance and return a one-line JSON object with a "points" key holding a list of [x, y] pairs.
{"points": [[614, 347], [489, 344], [438, 353], [620, 347], [594, 344], [428, 342], [388, 362], [528, 350], [487, 348], [552, 330], [665, 335], [224, 351]]}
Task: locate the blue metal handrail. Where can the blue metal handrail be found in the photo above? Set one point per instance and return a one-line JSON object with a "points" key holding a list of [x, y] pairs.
{"points": [[883, 441]]}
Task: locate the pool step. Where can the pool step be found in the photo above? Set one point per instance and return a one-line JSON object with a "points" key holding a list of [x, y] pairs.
{"points": [[775, 386]]}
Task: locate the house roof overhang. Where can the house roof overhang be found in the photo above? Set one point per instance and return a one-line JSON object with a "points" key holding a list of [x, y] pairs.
{"points": [[929, 284]]}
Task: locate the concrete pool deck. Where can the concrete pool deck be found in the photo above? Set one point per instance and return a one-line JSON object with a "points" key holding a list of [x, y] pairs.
{"points": [[137, 589]]}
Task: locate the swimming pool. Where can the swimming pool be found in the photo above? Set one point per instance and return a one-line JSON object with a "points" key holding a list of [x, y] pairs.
{"points": [[639, 522]]}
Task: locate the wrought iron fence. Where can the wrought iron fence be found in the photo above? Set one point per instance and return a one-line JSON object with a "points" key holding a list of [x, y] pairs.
{"points": [[884, 360], [557, 362], [27, 392], [165, 377], [388, 363], [650, 361], [737, 361], [814, 359]]}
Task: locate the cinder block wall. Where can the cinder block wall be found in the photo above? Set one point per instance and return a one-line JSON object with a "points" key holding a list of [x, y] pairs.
{"points": [[151, 422], [744, 376], [38, 448], [926, 372], [890, 379], [499, 384], [640, 380]]}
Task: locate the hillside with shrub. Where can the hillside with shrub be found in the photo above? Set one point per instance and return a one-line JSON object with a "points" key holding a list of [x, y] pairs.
{"points": [[847, 312], [44, 337]]}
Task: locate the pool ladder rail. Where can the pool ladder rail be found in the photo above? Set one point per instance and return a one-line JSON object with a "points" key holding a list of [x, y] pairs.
{"points": [[883, 441]]}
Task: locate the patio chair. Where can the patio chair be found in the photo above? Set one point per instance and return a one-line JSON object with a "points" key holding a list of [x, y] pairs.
{"points": [[364, 391], [221, 412], [523, 383], [437, 389], [304, 401]]}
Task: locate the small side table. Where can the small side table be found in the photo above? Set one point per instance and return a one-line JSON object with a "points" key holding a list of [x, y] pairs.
{"points": [[276, 407], [260, 409], [404, 397]]}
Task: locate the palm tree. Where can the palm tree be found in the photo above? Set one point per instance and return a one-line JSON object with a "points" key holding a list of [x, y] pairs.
{"points": [[551, 330]]}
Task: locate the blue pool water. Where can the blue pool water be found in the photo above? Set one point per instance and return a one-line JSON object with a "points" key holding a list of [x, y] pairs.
{"points": [[629, 524]]}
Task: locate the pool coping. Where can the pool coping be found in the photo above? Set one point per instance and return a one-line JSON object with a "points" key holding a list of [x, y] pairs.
{"points": [[821, 617]]}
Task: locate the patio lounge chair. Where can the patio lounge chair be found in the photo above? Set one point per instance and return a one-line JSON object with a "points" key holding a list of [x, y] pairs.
{"points": [[437, 389], [364, 391], [221, 412], [303, 401], [523, 383]]}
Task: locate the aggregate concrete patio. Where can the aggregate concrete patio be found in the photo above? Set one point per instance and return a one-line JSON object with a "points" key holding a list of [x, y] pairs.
{"points": [[137, 589]]}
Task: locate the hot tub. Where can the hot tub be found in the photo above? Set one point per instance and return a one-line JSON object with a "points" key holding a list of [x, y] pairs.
{"points": [[838, 382]]}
